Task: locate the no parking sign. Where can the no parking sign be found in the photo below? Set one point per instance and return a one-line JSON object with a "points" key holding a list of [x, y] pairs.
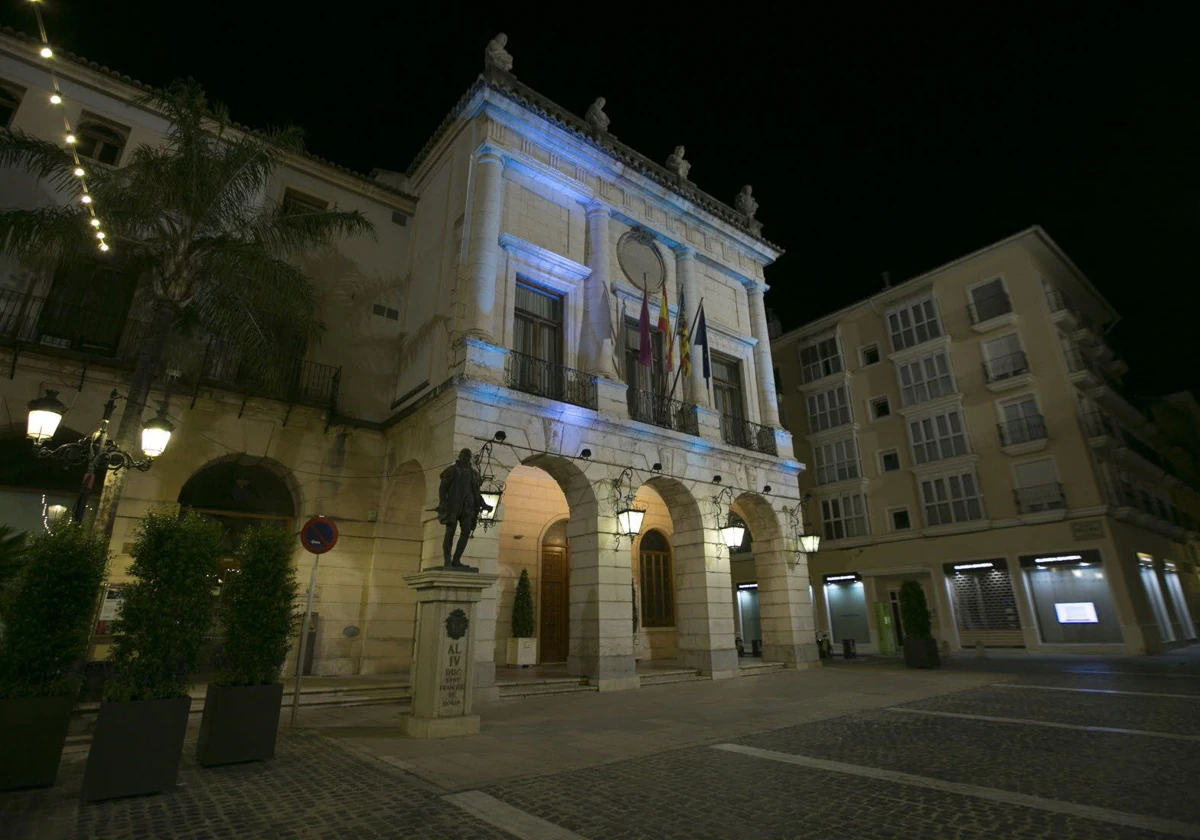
{"points": [[318, 535]]}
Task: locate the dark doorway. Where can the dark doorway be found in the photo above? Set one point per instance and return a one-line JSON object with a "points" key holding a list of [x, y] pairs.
{"points": [[554, 623]]}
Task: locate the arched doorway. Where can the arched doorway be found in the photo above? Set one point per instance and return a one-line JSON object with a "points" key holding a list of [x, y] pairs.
{"points": [[554, 582]]}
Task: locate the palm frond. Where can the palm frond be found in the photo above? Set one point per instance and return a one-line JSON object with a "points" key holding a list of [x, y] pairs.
{"points": [[47, 236], [283, 232], [46, 160]]}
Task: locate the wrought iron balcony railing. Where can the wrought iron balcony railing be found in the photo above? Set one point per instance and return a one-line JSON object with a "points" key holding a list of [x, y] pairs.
{"points": [[1022, 430], [32, 322], [1099, 424], [649, 407], [1040, 497], [1005, 367], [993, 306], [747, 435], [541, 378]]}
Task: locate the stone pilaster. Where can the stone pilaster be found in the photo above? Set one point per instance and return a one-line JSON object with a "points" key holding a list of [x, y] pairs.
{"points": [[703, 606], [768, 401], [695, 389], [596, 350], [784, 606], [483, 253]]}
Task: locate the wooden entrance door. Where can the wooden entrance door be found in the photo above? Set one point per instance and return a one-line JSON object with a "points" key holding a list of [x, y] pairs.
{"points": [[553, 629]]}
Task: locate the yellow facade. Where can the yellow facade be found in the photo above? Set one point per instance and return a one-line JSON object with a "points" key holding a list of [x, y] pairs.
{"points": [[974, 414]]}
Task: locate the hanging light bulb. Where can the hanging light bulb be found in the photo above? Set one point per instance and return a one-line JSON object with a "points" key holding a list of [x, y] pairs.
{"points": [[70, 139], [55, 99], [85, 198], [46, 52], [94, 222], [79, 172], [100, 234], [103, 247]]}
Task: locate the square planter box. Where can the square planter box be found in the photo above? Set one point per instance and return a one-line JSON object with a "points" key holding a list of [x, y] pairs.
{"points": [[240, 723], [136, 748], [921, 653], [522, 652], [33, 731]]}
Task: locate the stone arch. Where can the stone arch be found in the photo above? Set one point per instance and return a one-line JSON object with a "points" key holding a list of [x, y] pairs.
{"points": [[784, 602], [703, 610]]}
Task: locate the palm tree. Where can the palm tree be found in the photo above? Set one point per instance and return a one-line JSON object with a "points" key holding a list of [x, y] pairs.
{"points": [[189, 220]]}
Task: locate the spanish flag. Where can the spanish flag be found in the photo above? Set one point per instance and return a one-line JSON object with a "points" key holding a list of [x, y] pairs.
{"points": [[664, 327], [685, 356]]}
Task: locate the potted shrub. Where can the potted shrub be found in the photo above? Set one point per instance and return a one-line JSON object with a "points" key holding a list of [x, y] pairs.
{"points": [[47, 620], [143, 717], [920, 648], [241, 708], [637, 636], [522, 647]]}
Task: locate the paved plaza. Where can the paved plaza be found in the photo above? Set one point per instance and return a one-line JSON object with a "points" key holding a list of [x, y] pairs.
{"points": [[1007, 747]]}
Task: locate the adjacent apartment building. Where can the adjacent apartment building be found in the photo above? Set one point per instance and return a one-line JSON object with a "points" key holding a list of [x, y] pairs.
{"points": [[968, 429], [496, 310]]}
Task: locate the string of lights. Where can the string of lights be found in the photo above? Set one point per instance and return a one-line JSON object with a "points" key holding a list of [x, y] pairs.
{"points": [[70, 140]]}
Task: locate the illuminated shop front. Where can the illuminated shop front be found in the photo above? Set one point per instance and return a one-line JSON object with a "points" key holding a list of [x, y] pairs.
{"points": [[985, 608], [1071, 598], [846, 600], [1154, 595], [1178, 601]]}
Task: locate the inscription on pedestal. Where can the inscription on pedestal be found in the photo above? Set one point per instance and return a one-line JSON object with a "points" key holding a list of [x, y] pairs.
{"points": [[453, 685]]}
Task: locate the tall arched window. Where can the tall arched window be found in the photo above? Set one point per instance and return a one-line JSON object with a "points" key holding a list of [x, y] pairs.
{"points": [[657, 583], [99, 142]]}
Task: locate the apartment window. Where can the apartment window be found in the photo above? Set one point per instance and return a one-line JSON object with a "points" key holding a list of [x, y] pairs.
{"points": [[819, 359], [537, 341], [1003, 357], [296, 203], [900, 519], [951, 498], [938, 436], [658, 590], [836, 461], [844, 516], [1022, 422], [889, 461], [100, 142], [880, 408], [989, 300], [913, 323], [925, 379], [870, 355], [10, 101], [727, 386], [828, 409], [1038, 487]]}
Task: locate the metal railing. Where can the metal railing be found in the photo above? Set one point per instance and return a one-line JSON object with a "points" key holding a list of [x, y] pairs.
{"points": [[34, 322], [649, 407], [992, 306], [1040, 497], [1145, 450], [1059, 301], [1005, 367], [541, 378], [1022, 430], [747, 435]]}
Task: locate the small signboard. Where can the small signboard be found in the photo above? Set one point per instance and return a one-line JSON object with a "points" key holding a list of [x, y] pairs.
{"points": [[318, 535], [110, 609]]}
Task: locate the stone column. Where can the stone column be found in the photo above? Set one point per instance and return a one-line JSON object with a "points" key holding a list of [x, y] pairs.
{"points": [[483, 254], [596, 350], [601, 606], [784, 606], [443, 685], [703, 608], [695, 389], [768, 402]]}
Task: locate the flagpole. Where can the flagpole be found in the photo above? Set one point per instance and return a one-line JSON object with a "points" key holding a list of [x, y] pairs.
{"points": [[691, 332]]}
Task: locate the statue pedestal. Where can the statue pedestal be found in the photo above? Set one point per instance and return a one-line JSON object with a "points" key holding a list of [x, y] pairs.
{"points": [[443, 671]]}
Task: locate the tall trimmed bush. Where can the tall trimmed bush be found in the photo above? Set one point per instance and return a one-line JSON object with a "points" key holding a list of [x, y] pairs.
{"points": [[48, 619], [633, 591], [259, 610], [914, 610], [522, 610], [167, 608]]}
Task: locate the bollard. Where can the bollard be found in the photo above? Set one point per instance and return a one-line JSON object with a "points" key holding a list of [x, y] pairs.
{"points": [[979, 652]]}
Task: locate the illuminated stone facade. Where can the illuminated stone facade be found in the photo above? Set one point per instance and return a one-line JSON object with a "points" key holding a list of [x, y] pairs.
{"points": [[510, 198]]}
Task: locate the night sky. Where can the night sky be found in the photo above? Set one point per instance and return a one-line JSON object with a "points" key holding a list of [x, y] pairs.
{"points": [[874, 142]]}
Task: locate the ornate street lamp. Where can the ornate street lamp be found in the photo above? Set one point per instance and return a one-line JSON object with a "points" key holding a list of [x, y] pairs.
{"points": [[99, 452], [491, 489], [808, 543], [630, 514], [733, 531]]}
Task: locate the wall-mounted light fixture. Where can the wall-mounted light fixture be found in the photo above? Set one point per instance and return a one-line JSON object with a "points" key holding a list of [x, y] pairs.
{"points": [[729, 525], [629, 513], [490, 489], [585, 454], [806, 543]]}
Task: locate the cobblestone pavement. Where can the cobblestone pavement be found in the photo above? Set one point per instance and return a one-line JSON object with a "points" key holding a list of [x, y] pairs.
{"points": [[963, 778]]}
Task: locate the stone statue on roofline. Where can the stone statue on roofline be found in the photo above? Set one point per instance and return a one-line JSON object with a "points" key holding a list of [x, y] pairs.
{"points": [[595, 116], [495, 57], [745, 203], [677, 164]]}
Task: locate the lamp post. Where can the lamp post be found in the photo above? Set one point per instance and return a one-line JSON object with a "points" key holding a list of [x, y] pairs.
{"points": [[97, 451]]}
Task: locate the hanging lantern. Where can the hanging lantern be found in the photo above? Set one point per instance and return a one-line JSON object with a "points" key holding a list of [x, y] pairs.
{"points": [[733, 532], [629, 518], [491, 492], [156, 435], [809, 543], [45, 413]]}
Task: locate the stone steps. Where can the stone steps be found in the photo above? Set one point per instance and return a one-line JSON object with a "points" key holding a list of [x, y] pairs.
{"points": [[653, 678], [544, 687], [323, 696], [758, 668]]}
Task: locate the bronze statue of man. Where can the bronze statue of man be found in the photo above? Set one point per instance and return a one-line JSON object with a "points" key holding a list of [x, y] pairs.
{"points": [[459, 504]]}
